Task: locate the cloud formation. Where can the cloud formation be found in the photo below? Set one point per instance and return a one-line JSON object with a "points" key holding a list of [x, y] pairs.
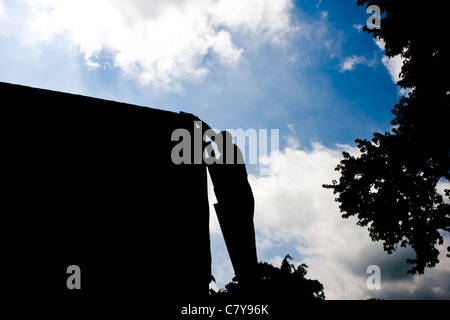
{"points": [[161, 42], [2, 15], [351, 62], [295, 215], [393, 65]]}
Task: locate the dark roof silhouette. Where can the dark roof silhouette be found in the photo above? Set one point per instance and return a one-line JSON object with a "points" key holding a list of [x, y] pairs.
{"points": [[91, 183]]}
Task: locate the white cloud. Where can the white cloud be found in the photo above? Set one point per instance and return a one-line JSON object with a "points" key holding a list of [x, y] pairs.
{"points": [[351, 62], [358, 27], [295, 215], [323, 14], [441, 187], [393, 65], [380, 43], [2, 16], [292, 208], [160, 43]]}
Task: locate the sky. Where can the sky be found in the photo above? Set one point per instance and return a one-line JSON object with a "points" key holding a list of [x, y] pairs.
{"points": [[302, 67]]}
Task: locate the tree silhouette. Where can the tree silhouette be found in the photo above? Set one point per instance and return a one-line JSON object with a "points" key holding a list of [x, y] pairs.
{"points": [[286, 282], [391, 186]]}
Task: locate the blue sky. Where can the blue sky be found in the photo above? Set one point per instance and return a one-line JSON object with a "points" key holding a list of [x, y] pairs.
{"points": [[303, 67], [299, 82]]}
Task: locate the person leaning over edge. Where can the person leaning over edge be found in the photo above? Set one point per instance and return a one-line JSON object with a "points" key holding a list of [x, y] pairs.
{"points": [[235, 207]]}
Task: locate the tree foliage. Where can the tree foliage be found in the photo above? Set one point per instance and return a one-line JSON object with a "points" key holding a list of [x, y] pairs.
{"points": [[287, 282], [391, 186]]}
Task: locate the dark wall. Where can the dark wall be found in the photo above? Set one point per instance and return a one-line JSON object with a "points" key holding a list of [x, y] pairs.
{"points": [[90, 182]]}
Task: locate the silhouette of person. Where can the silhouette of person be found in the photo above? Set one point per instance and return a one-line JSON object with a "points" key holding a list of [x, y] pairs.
{"points": [[235, 207]]}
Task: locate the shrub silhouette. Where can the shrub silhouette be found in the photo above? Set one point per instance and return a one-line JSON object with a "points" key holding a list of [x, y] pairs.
{"points": [[286, 282]]}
